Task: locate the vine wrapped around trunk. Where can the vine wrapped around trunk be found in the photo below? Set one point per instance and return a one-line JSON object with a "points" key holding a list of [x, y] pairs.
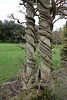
{"points": [[30, 30], [45, 40]]}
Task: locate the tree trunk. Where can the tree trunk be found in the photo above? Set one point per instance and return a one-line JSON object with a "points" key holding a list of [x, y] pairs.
{"points": [[30, 30], [45, 40]]}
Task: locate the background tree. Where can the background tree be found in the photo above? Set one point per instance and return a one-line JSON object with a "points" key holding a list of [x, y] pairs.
{"points": [[56, 37], [64, 46], [9, 31], [2, 34]]}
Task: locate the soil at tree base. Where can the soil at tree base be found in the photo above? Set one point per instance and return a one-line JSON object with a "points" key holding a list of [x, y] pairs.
{"points": [[7, 91]]}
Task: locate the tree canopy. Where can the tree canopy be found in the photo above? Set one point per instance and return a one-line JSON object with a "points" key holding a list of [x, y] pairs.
{"points": [[9, 30]]}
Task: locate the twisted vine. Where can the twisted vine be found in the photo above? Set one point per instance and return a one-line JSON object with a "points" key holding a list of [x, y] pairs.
{"points": [[30, 30], [45, 40]]}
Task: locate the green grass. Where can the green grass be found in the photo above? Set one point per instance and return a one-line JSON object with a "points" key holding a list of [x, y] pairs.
{"points": [[56, 56], [8, 56]]}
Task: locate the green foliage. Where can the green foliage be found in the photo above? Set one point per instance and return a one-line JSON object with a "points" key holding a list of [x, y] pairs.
{"points": [[9, 31], [64, 44], [64, 36], [56, 37]]}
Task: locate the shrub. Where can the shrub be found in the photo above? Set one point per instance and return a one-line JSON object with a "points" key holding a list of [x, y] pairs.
{"points": [[64, 46]]}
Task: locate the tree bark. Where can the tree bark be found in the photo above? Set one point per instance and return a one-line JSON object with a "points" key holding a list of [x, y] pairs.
{"points": [[45, 40], [30, 30]]}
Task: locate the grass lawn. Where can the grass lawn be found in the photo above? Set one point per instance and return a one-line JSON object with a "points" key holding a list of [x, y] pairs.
{"points": [[56, 56], [8, 56]]}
